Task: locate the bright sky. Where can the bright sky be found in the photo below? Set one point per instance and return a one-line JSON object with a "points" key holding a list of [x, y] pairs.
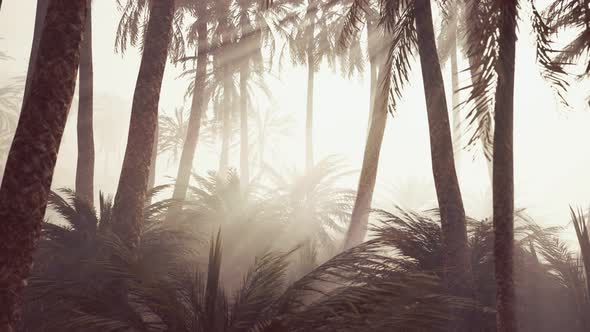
{"points": [[551, 146]]}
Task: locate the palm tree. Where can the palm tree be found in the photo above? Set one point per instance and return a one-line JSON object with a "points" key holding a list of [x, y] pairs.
{"points": [[410, 24], [41, 12], [199, 102], [503, 169], [85, 165], [24, 190], [129, 200], [311, 44], [362, 206]]}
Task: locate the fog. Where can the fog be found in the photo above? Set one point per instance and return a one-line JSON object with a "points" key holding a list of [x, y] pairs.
{"points": [[551, 159]]}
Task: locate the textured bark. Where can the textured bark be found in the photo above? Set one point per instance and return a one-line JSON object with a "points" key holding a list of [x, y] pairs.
{"points": [[85, 164], [244, 171], [452, 213], [362, 205], [309, 113], [37, 31], [31, 161], [194, 122], [130, 198], [456, 131], [503, 172]]}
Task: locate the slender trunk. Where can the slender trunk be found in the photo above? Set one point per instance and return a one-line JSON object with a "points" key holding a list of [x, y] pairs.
{"points": [[85, 165], [362, 206], [503, 172], [33, 154], [456, 131], [309, 115], [226, 123], [154, 160], [452, 213], [130, 198], [40, 14], [371, 35], [244, 172], [194, 122]]}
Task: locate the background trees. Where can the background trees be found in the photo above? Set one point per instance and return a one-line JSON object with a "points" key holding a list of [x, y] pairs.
{"points": [[433, 269]]}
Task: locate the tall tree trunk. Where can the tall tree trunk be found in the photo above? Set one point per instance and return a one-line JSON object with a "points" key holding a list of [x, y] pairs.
{"points": [[309, 114], [226, 123], [194, 122], [130, 197], [503, 171], [362, 205], [40, 14], [456, 131], [244, 172], [371, 35], [452, 213], [33, 154], [85, 165]]}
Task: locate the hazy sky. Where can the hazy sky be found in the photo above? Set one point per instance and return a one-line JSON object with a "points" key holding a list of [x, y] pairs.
{"points": [[552, 158]]}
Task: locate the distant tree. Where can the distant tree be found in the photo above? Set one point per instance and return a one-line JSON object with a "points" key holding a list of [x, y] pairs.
{"points": [[31, 161]]}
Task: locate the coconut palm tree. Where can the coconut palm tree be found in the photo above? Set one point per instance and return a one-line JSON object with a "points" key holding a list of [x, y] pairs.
{"points": [[85, 163], [35, 144], [129, 200], [199, 100], [312, 42], [410, 24], [503, 169]]}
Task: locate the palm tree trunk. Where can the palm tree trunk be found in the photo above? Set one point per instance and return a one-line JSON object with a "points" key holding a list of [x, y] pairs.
{"points": [[194, 122], [503, 172], [154, 160], [85, 165], [40, 14], [362, 205], [130, 198], [455, 106], [226, 123], [309, 114], [244, 172], [31, 161], [372, 69], [452, 213]]}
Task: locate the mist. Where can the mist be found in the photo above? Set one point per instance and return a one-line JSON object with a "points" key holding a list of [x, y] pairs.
{"points": [[306, 202]]}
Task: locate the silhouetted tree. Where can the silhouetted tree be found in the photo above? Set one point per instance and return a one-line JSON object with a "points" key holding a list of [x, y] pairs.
{"points": [[32, 157]]}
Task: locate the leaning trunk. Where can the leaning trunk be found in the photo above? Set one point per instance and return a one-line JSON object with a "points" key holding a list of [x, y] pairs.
{"points": [[40, 14], [362, 206], [452, 213], [244, 172], [194, 121], [503, 172], [85, 165], [130, 198], [31, 161]]}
